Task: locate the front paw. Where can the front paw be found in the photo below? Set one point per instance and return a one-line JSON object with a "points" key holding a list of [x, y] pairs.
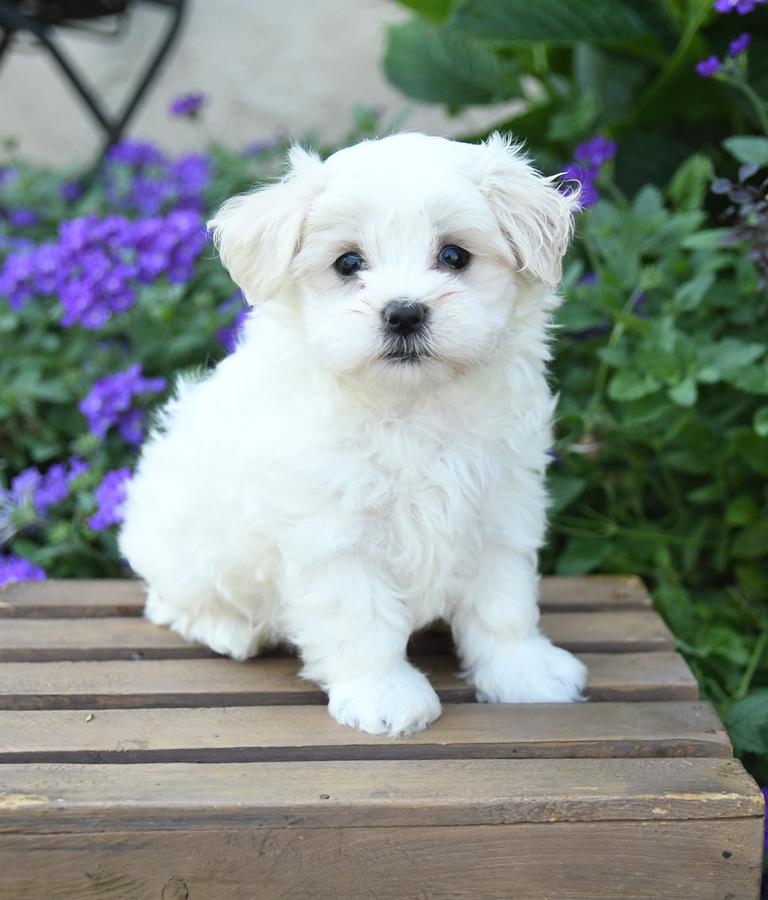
{"points": [[395, 702], [529, 671]]}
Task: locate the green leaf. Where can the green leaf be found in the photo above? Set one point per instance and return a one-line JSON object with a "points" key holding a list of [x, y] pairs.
{"points": [[689, 186], [752, 542], [708, 493], [750, 379], [760, 421], [747, 722], [741, 510], [753, 448], [709, 239], [690, 295], [648, 203], [433, 10], [581, 555], [723, 641], [631, 386], [551, 21], [684, 393], [674, 603], [440, 65], [748, 148], [563, 490]]}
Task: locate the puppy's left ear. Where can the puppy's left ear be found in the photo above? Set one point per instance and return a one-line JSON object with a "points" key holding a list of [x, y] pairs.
{"points": [[534, 216], [257, 234]]}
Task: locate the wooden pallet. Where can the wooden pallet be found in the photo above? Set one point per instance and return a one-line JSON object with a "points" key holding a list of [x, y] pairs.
{"points": [[135, 765]]}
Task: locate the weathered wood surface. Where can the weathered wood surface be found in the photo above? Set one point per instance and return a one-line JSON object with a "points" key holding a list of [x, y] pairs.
{"points": [[32, 640], [256, 733], [400, 793], [275, 681], [80, 598], [700, 859], [133, 765]]}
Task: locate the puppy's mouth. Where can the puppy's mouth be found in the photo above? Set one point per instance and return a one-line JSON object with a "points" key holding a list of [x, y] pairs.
{"points": [[410, 350]]}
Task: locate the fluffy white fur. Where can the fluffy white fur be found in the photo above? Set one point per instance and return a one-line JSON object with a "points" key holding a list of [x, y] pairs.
{"points": [[311, 489]]}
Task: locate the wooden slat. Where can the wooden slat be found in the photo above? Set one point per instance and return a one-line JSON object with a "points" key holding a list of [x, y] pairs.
{"points": [[86, 598], [251, 734], [30, 640], [274, 681], [55, 798], [72, 597], [701, 858]]}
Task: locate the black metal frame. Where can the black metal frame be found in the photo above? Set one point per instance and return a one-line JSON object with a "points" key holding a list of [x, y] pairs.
{"points": [[12, 20]]}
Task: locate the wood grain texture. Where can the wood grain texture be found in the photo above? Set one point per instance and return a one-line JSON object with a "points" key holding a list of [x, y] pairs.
{"points": [[467, 731], [404, 793], [83, 598], [701, 859], [32, 640], [274, 681]]}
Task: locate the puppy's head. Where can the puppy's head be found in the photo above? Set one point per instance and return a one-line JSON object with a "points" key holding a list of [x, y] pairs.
{"points": [[404, 256]]}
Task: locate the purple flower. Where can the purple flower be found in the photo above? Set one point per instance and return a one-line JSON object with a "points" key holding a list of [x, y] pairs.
{"points": [[708, 67], [186, 105], [590, 157], [14, 568], [110, 403], [95, 266], [585, 178], [23, 218], [228, 335], [135, 154], [110, 497], [740, 44], [742, 7], [595, 152], [41, 491], [71, 190]]}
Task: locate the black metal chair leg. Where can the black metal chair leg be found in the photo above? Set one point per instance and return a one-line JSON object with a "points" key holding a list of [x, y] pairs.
{"points": [[152, 69], [11, 21]]}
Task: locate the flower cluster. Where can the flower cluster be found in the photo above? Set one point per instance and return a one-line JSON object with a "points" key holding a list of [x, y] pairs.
{"points": [[32, 488], [110, 403], [96, 263], [742, 7], [110, 497], [589, 158], [140, 179], [14, 568], [186, 106], [712, 64]]}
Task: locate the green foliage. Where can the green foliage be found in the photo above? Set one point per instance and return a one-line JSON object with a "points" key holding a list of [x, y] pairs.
{"points": [[662, 440], [623, 67]]}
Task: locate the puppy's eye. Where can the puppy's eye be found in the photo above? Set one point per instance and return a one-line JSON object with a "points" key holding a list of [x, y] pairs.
{"points": [[453, 257], [349, 263]]}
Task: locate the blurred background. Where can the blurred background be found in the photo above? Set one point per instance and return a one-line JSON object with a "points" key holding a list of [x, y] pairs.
{"points": [[288, 68], [655, 109]]}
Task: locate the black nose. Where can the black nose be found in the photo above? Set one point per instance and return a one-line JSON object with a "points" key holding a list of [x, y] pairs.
{"points": [[404, 317]]}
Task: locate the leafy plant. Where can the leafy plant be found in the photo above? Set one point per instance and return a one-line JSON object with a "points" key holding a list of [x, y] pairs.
{"points": [[662, 447], [624, 67]]}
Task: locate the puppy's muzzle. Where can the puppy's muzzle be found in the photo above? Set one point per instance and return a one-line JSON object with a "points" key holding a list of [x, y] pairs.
{"points": [[404, 318]]}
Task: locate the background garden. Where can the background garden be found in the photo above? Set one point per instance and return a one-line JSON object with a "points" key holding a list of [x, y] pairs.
{"points": [[109, 286]]}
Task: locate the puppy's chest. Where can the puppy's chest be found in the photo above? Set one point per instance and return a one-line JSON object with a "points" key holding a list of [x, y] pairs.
{"points": [[424, 507]]}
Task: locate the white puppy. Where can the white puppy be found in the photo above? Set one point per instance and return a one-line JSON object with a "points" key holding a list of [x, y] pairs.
{"points": [[371, 457]]}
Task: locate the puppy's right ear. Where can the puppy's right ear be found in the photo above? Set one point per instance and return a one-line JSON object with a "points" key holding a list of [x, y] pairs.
{"points": [[257, 234]]}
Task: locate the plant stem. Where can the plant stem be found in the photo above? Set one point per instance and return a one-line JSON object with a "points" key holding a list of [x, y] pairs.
{"points": [[757, 104], [749, 672]]}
